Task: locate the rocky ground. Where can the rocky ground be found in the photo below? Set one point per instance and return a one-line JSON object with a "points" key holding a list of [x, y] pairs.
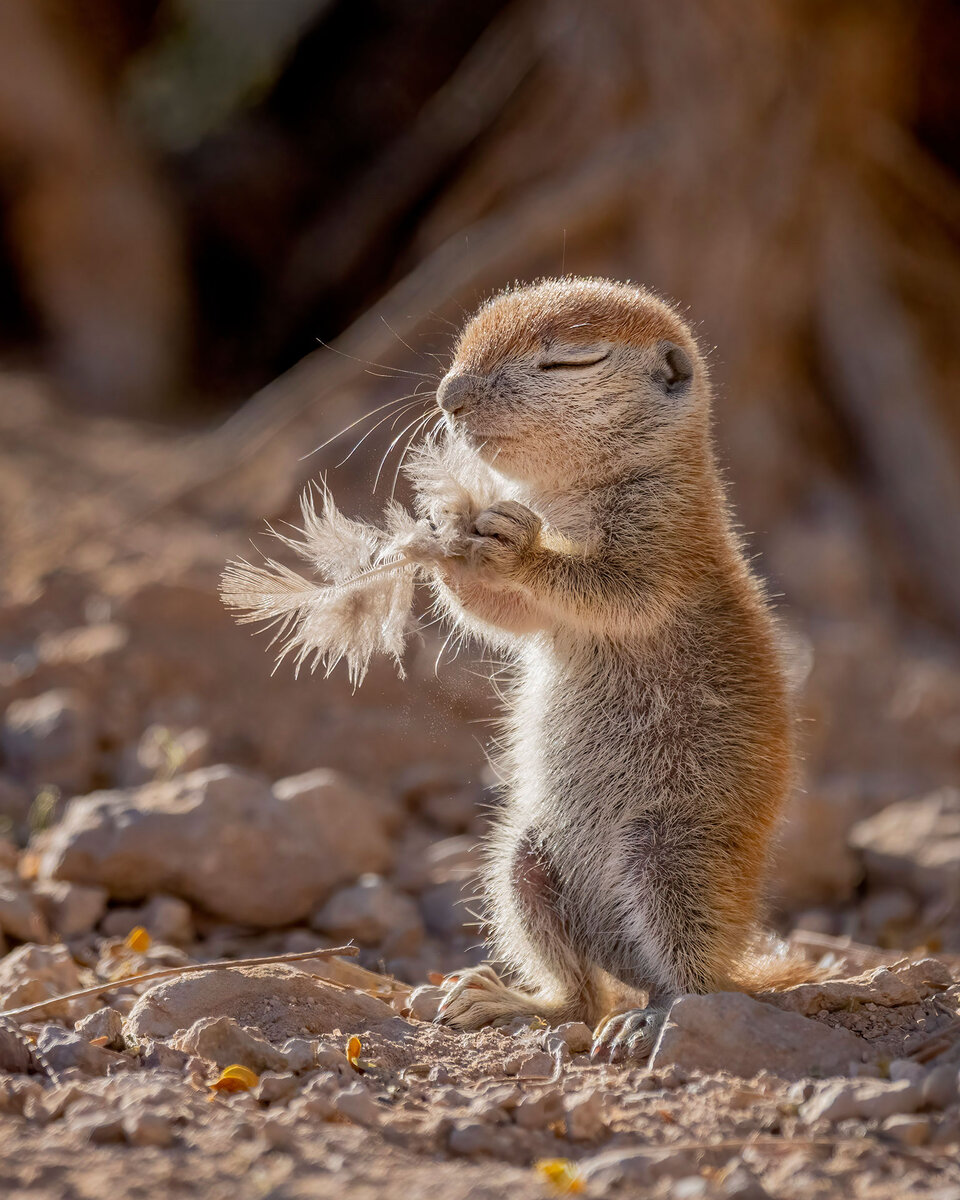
{"points": [[165, 803]]}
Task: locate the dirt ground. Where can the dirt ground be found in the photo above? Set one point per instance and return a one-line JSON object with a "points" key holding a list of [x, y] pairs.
{"points": [[143, 734]]}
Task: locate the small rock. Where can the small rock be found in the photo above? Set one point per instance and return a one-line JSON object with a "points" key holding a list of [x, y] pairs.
{"points": [[167, 919], [100, 1128], [741, 1184], [300, 1054], [425, 1002], [941, 1086], [474, 1137], [728, 1031], [33, 973], [16, 1056], [442, 908], [577, 1035], [148, 1129], [164, 752], [161, 1057], [72, 909], [276, 1087], [906, 1068], [220, 1040], [357, 1105], [278, 1000], [889, 987], [104, 1023], [536, 1066], [20, 915], [913, 844], [63, 1049], [537, 1112], [642, 1167], [223, 839], [867, 1099], [370, 911], [907, 1130], [584, 1116], [332, 1059], [50, 738]]}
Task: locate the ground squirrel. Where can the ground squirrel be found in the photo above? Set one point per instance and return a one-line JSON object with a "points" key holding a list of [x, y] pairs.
{"points": [[647, 733]]}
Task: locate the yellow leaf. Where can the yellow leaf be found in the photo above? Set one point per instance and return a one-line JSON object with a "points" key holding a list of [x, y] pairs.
{"points": [[353, 1052], [235, 1079], [137, 939], [561, 1174]]}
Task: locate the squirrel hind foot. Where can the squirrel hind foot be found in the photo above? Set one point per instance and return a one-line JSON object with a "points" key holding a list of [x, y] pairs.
{"points": [[628, 1036], [478, 997]]}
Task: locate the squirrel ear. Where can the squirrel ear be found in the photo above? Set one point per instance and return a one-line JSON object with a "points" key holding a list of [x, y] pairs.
{"points": [[674, 369]]}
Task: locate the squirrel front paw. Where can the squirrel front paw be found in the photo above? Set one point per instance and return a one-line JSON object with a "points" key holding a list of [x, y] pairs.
{"points": [[502, 538]]}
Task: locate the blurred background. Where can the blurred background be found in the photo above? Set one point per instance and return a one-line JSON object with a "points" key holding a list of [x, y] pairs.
{"points": [[229, 228]]}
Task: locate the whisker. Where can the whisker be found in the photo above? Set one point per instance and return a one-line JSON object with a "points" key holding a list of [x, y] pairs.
{"points": [[379, 366], [373, 428], [406, 451], [363, 417], [403, 431]]}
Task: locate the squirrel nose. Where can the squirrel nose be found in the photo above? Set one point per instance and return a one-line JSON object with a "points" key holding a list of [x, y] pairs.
{"points": [[455, 395]]}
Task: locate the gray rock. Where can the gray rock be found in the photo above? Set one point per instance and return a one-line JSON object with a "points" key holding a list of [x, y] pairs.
{"points": [[72, 909], [166, 918], [907, 1130], [728, 1031], [914, 844], [425, 1002], [222, 1041], [33, 973], [20, 915], [369, 912], [583, 1114], [105, 1023], [941, 1086], [278, 1001], [63, 1049], [223, 839], [147, 1128], [889, 987], [357, 1105], [300, 1054], [865, 1099], [50, 738], [577, 1036], [275, 1087], [537, 1112]]}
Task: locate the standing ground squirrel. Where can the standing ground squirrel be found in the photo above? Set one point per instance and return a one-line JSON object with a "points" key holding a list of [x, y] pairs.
{"points": [[647, 732]]}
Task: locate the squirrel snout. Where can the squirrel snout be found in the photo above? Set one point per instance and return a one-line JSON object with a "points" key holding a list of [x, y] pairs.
{"points": [[456, 394]]}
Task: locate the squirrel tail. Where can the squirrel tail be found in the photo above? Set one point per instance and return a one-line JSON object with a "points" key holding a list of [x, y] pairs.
{"points": [[772, 965]]}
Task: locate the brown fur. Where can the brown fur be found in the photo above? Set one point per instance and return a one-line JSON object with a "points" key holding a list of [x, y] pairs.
{"points": [[648, 734]]}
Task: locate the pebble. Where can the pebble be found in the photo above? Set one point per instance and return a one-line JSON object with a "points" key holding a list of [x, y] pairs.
{"points": [[537, 1112], [941, 1086], [868, 1099], [584, 1116], [276, 1087], [300, 1054], [222, 1041], [105, 1023], [907, 1130], [148, 1129], [577, 1035], [535, 1066], [357, 1105], [64, 1049], [740, 1183], [425, 1002]]}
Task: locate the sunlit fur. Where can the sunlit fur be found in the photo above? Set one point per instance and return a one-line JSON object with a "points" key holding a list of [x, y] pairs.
{"points": [[647, 733]]}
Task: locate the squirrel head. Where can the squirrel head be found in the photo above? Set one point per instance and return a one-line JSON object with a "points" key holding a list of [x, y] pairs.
{"points": [[570, 381]]}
